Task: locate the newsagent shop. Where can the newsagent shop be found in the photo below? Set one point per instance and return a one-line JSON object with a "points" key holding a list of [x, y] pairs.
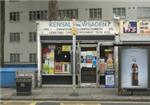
{"points": [[95, 53], [133, 57]]}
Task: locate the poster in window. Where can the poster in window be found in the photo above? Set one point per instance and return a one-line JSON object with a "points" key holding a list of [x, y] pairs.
{"points": [[58, 67], [109, 79], [48, 59], [89, 58], [66, 48], [134, 68]]}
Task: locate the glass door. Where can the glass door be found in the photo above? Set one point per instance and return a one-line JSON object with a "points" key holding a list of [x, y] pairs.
{"points": [[88, 63], [106, 65]]}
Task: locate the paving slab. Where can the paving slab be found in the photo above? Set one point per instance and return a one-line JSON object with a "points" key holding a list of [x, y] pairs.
{"points": [[48, 93]]}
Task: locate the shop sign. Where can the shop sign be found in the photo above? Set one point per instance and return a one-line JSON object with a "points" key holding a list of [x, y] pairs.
{"points": [[129, 27], [60, 28], [83, 27], [109, 79], [144, 27], [95, 27], [134, 68]]}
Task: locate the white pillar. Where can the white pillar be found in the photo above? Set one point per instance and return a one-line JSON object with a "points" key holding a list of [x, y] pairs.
{"points": [[74, 61]]}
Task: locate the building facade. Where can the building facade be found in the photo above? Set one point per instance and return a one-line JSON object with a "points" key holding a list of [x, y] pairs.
{"points": [[21, 16]]}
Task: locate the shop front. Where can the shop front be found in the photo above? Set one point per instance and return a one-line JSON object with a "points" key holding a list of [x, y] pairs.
{"points": [[94, 54], [133, 47], [56, 60], [95, 57]]}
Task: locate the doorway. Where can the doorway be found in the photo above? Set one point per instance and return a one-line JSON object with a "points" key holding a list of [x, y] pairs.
{"points": [[88, 64]]}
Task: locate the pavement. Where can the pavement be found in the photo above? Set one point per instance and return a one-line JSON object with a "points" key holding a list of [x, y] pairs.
{"points": [[63, 93], [73, 103]]}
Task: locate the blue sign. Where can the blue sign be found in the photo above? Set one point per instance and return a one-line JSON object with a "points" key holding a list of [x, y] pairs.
{"points": [[130, 27]]}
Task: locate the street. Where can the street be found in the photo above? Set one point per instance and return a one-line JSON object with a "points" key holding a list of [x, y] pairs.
{"points": [[73, 103]]}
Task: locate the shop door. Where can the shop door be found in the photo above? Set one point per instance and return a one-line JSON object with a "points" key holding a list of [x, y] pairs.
{"points": [[88, 63]]}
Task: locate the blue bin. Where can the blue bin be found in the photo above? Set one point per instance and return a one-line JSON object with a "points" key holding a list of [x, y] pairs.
{"points": [[7, 77]]}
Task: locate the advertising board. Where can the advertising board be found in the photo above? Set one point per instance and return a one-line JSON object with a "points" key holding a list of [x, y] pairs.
{"points": [[144, 27], [134, 67], [83, 27], [109, 79]]}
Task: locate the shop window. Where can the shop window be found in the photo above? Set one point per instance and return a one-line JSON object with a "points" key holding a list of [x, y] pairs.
{"points": [[14, 16], [106, 64], [143, 12], [38, 15], [56, 58], [65, 14], [88, 56], [14, 57], [120, 12], [95, 13], [15, 37], [32, 58], [32, 36], [106, 58]]}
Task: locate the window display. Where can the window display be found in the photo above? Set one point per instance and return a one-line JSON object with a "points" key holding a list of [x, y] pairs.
{"points": [[88, 59], [88, 64], [106, 66], [106, 61], [56, 58]]}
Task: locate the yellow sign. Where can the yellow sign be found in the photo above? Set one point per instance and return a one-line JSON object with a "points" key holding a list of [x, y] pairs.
{"points": [[66, 48], [74, 31]]}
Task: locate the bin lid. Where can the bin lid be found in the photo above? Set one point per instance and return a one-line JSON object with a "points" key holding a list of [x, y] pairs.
{"points": [[7, 70], [16, 69], [30, 69]]}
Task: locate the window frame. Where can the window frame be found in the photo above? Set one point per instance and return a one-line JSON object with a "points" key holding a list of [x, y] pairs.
{"points": [[38, 15], [14, 37], [65, 14], [14, 57], [95, 13], [119, 12], [14, 16], [32, 57], [32, 36]]}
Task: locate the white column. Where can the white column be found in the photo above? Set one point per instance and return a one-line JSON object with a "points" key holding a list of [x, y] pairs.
{"points": [[74, 61]]}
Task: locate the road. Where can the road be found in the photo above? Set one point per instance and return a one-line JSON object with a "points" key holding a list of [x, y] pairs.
{"points": [[72, 103]]}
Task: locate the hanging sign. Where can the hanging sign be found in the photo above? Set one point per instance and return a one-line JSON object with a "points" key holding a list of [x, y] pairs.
{"points": [[144, 27]]}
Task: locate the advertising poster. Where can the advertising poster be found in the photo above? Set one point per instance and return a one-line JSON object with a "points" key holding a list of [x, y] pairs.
{"points": [[102, 66], [48, 59], [130, 27], [66, 48], [109, 79], [89, 57], [144, 27], [134, 68], [83, 59]]}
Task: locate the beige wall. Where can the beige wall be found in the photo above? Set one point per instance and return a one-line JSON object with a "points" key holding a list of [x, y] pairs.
{"points": [[25, 26]]}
